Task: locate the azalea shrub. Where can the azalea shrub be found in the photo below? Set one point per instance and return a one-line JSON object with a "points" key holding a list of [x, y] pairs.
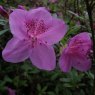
{"points": [[46, 48]]}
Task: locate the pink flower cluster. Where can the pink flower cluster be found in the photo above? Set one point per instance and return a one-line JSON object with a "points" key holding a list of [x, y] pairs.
{"points": [[34, 34]]}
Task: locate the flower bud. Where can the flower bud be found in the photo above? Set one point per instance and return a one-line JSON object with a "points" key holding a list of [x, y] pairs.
{"points": [[3, 12]]}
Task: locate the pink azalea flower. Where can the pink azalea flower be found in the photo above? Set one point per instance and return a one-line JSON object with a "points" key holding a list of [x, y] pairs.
{"points": [[34, 33], [53, 1], [3, 12], [21, 7], [76, 54], [10, 91]]}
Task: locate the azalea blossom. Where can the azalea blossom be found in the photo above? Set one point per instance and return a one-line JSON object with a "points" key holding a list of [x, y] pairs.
{"points": [[34, 33], [53, 1], [76, 54], [3, 12], [10, 91]]}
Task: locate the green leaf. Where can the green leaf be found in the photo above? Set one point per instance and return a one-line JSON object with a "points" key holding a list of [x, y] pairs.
{"points": [[51, 93], [66, 80], [2, 23], [76, 15], [2, 20], [67, 85], [3, 31], [7, 79], [39, 87]]}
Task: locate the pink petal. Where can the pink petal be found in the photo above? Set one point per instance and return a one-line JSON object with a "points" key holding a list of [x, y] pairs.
{"points": [[77, 52], [53, 1], [55, 33], [10, 91], [43, 57], [40, 14], [21, 7], [81, 63], [15, 51], [65, 62], [84, 37], [80, 44], [17, 23], [40, 19]]}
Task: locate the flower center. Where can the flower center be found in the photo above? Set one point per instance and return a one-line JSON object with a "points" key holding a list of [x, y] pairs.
{"points": [[35, 27], [30, 27], [32, 41]]}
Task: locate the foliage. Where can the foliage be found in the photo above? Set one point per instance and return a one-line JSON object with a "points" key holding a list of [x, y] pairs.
{"points": [[28, 80]]}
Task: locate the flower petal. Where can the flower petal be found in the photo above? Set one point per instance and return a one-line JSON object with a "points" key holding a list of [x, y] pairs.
{"points": [[17, 23], [21, 7], [40, 14], [65, 62], [81, 63], [43, 57], [84, 37], [77, 52], [55, 33], [15, 51], [40, 19], [10, 91]]}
